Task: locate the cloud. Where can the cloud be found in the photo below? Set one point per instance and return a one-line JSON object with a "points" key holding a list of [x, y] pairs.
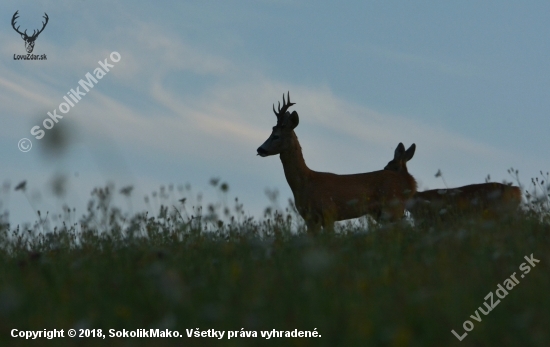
{"points": [[20, 88], [449, 68]]}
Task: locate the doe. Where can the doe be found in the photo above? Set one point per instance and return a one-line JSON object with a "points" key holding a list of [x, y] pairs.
{"points": [[486, 200]]}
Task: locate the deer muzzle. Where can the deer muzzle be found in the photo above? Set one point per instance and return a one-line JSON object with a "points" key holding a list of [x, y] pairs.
{"points": [[262, 152]]}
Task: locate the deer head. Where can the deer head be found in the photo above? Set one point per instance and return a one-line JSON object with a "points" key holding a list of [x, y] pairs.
{"points": [[400, 158], [281, 135], [29, 40]]}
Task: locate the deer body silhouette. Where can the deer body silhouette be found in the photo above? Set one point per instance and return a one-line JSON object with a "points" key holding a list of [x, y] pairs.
{"points": [[322, 198], [29, 40], [486, 200]]}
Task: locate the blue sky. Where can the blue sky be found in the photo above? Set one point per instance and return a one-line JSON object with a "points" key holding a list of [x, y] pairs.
{"points": [[191, 97]]}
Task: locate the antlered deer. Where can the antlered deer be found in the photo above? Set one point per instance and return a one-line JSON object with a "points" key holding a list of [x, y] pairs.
{"points": [[486, 200], [322, 198]]}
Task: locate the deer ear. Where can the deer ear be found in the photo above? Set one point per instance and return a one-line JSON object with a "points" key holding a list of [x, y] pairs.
{"points": [[399, 150], [410, 152], [294, 119]]}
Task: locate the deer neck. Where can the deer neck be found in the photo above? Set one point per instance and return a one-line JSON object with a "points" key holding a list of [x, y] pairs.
{"points": [[296, 170]]}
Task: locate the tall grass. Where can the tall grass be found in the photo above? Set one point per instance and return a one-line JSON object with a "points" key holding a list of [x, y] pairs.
{"points": [[189, 267]]}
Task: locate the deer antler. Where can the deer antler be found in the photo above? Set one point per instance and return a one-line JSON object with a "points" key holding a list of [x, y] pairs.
{"points": [[34, 33], [43, 25], [13, 19], [286, 105]]}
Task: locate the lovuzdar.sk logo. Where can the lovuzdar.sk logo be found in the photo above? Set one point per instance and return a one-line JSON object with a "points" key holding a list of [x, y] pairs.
{"points": [[29, 39]]}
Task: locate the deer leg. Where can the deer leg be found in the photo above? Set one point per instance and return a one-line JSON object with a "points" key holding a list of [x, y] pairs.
{"points": [[328, 224], [329, 227], [314, 223], [313, 227]]}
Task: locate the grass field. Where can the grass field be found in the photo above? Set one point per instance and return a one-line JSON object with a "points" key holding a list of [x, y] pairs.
{"points": [[397, 285]]}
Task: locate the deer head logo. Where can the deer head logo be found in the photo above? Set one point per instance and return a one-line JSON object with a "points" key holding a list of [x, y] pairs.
{"points": [[29, 40]]}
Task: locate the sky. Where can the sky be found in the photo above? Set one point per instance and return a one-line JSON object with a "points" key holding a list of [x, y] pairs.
{"points": [[190, 97]]}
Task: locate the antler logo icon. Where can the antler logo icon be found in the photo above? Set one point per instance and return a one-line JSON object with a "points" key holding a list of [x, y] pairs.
{"points": [[29, 40]]}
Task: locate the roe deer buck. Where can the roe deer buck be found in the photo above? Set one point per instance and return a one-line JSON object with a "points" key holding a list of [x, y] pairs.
{"points": [[486, 200], [322, 198]]}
